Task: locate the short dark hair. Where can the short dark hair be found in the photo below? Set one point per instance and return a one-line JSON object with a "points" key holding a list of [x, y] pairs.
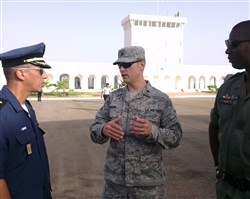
{"points": [[245, 24], [8, 73]]}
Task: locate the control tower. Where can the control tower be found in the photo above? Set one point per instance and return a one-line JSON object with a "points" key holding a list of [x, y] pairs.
{"points": [[161, 36]]}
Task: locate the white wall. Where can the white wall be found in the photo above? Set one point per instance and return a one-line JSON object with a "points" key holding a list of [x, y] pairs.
{"points": [[163, 68]]}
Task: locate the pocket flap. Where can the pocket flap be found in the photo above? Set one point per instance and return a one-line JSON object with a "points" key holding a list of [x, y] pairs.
{"points": [[24, 138]]}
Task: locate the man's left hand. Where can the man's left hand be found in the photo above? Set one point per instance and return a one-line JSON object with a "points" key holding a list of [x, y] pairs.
{"points": [[141, 126]]}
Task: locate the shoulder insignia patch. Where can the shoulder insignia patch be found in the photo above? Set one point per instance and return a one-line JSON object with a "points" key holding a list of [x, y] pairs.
{"points": [[2, 102]]}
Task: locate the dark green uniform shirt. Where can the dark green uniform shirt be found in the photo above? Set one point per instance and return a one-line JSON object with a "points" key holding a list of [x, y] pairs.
{"points": [[231, 113]]}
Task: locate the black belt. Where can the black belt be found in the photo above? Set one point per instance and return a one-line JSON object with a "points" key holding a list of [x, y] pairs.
{"points": [[240, 184]]}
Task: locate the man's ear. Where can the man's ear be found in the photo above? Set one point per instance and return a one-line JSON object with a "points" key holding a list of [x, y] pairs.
{"points": [[142, 65], [20, 74]]}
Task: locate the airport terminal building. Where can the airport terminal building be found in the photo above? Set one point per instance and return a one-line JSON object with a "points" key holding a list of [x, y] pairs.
{"points": [[162, 38]]}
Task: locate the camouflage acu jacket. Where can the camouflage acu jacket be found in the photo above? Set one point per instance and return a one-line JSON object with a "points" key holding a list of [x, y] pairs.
{"points": [[137, 160]]}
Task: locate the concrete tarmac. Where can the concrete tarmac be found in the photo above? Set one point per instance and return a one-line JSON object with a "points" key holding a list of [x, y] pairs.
{"points": [[77, 164]]}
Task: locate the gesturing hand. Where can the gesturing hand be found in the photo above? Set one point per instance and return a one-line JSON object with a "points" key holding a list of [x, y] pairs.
{"points": [[141, 126], [113, 130]]}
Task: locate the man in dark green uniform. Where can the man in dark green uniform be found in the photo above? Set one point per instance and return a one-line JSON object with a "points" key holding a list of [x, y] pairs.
{"points": [[229, 128]]}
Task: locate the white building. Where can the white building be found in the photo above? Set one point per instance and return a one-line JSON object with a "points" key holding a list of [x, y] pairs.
{"points": [[162, 38]]}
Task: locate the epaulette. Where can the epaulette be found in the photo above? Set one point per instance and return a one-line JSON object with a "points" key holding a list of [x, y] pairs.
{"points": [[236, 74], [231, 76], [2, 102]]}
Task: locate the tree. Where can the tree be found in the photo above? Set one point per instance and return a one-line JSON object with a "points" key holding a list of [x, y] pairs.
{"points": [[62, 85], [122, 84], [47, 84], [213, 88]]}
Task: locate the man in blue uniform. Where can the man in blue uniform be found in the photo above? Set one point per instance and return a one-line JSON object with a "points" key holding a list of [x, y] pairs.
{"points": [[24, 167]]}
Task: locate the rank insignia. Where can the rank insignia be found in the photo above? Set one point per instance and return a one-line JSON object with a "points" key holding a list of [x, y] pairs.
{"points": [[2, 102], [28, 149], [229, 99]]}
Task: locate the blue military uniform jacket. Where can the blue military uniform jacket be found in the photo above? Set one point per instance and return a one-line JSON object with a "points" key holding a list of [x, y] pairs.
{"points": [[23, 157]]}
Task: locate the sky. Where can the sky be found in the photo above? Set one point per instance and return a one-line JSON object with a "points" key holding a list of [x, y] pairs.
{"points": [[91, 31]]}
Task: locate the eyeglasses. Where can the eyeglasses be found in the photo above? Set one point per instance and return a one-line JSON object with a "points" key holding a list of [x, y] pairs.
{"points": [[127, 65], [40, 69], [234, 43]]}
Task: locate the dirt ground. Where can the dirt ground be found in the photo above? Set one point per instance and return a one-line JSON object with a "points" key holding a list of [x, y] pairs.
{"points": [[77, 163]]}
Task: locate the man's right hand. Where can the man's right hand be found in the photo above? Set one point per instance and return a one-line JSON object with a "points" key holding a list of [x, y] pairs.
{"points": [[4, 191], [113, 130]]}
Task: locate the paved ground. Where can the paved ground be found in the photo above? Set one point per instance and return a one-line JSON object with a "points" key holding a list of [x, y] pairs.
{"points": [[77, 164]]}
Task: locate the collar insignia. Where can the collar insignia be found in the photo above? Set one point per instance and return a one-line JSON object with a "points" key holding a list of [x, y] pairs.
{"points": [[2, 102]]}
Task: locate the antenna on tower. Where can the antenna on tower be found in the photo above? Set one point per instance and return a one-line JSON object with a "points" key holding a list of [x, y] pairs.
{"points": [[164, 2], [158, 7], [165, 8]]}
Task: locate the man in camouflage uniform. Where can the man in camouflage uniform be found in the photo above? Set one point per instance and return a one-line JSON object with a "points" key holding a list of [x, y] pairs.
{"points": [[140, 121], [229, 129]]}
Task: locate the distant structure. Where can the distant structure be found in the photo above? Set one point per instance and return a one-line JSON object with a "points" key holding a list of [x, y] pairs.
{"points": [[162, 37], [163, 40]]}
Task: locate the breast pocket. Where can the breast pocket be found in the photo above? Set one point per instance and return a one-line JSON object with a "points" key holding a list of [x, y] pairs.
{"points": [[153, 115], [114, 112], [25, 138], [26, 142]]}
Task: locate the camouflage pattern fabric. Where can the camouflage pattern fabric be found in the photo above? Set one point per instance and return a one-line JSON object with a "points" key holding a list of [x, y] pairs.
{"points": [[112, 191], [137, 160]]}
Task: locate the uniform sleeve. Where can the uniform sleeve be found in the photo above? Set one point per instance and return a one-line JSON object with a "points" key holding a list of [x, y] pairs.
{"points": [[168, 135], [214, 115], [96, 127], [3, 146], [214, 118]]}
